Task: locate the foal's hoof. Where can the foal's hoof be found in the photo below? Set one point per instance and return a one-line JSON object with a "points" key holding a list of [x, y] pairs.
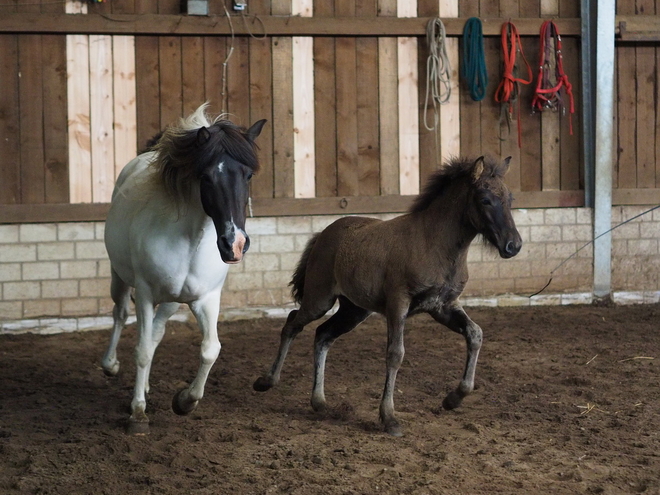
{"points": [[138, 427], [111, 370], [452, 401], [180, 405], [394, 428], [262, 384], [319, 406]]}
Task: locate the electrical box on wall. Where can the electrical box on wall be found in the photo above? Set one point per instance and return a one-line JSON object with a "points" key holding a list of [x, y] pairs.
{"points": [[197, 7]]}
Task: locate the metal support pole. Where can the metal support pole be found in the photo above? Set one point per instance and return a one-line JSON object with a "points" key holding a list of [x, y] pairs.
{"points": [[588, 11], [604, 123]]}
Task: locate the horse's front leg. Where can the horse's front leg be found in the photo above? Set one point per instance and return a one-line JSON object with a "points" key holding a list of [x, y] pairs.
{"points": [[163, 313], [138, 423], [454, 318], [395, 353], [206, 312], [121, 296]]}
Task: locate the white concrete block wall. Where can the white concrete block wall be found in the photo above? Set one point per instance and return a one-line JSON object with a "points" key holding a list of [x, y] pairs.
{"points": [[62, 270]]}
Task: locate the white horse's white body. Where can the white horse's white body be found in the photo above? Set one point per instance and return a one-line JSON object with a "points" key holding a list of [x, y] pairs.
{"points": [[170, 256]]}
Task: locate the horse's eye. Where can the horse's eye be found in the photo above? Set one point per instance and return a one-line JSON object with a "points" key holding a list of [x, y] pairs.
{"points": [[249, 176], [486, 201]]}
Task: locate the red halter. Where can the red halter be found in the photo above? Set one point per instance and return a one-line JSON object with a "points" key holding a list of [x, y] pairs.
{"points": [[548, 96]]}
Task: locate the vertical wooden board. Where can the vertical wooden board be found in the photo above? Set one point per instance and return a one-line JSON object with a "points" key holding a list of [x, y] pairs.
{"points": [[549, 8], [367, 117], [101, 117], [470, 110], [170, 6], [325, 108], [124, 111], [147, 96], [509, 145], [171, 90], [530, 123], [627, 117], [388, 115], [657, 127], [282, 123], [79, 145], [408, 116], [238, 83], [450, 125], [646, 119], [192, 73], [55, 119], [570, 153], [303, 117], [10, 187], [347, 143], [490, 111], [261, 101], [146, 6], [123, 6], [214, 85], [429, 140], [31, 121]]}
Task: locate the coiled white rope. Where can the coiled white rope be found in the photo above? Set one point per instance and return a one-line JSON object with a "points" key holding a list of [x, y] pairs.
{"points": [[438, 70]]}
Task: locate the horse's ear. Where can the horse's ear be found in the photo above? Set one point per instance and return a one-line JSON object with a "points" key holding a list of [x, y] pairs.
{"points": [[203, 135], [478, 168], [254, 131], [504, 167]]}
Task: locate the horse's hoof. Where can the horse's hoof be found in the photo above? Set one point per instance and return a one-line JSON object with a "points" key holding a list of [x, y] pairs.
{"points": [[182, 407], [262, 384], [452, 401], [111, 370], [138, 427], [394, 428], [319, 406]]}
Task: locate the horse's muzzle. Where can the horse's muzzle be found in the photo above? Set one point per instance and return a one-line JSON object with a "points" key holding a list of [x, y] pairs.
{"points": [[511, 248], [232, 250]]}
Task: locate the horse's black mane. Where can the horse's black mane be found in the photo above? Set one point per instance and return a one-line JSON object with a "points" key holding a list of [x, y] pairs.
{"points": [[439, 180]]}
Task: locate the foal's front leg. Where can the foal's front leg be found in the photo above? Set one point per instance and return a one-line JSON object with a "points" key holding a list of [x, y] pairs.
{"points": [[395, 351], [454, 318]]}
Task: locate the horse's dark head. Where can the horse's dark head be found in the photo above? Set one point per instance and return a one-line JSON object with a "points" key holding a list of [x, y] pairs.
{"points": [[229, 158], [490, 207]]}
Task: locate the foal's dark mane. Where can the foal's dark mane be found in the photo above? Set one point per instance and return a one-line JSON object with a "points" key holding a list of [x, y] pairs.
{"points": [[181, 157], [452, 171]]}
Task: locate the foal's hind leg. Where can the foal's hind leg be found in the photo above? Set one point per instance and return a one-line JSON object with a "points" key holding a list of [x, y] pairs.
{"points": [[121, 295], [454, 318], [295, 322], [347, 317]]}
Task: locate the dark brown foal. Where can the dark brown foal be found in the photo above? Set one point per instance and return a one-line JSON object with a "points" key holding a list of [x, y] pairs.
{"points": [[411, 264]]}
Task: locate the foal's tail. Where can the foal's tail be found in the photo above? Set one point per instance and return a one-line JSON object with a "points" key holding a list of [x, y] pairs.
{"points": [[298, 280]]}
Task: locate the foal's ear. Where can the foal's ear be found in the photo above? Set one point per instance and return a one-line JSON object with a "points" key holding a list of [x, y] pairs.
{"points": [[254, 131], [504, 167], [478, 168], [203, 135]]}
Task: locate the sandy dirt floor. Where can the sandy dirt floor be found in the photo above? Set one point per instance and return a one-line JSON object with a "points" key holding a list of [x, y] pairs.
{"points": [[568, 401]]}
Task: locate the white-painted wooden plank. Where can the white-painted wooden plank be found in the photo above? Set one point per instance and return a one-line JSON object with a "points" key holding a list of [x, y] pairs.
{"points": [[125, 110], [77, 58], [303, 107], [408, 105], [450, 128], [101, 117]]}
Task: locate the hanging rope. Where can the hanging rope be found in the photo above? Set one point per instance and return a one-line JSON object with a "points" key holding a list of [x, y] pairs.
{"points": [[547, 95], [508, 91], [438, 70], [474, 62]]}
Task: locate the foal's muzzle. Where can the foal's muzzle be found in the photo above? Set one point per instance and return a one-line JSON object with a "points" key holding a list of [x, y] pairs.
{"points": [[511, 248]]}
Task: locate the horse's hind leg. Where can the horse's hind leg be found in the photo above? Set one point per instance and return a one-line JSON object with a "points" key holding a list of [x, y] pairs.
{"points": [[206, 312], [347, 317], [121, 295], [295, 322], [454, 318]]}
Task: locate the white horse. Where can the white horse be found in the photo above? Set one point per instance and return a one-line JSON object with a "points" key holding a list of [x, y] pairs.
{"points": [[176, 221]]}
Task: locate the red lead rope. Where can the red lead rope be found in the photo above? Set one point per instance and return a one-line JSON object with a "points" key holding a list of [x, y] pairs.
{"points": [[509, 89], [548, 96]]}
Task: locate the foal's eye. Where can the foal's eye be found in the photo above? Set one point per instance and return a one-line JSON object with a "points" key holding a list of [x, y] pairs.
{"points": [[249, 176], [486, 201]]}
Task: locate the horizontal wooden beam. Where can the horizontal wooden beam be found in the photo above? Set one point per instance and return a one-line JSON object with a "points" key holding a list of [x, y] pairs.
{"points": [[636, 197], [275, 207], [218, 25], [638, 28]]}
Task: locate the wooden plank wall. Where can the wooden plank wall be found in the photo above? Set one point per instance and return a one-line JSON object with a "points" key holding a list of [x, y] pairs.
{"points": [[344, 112], [637, 165]]}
